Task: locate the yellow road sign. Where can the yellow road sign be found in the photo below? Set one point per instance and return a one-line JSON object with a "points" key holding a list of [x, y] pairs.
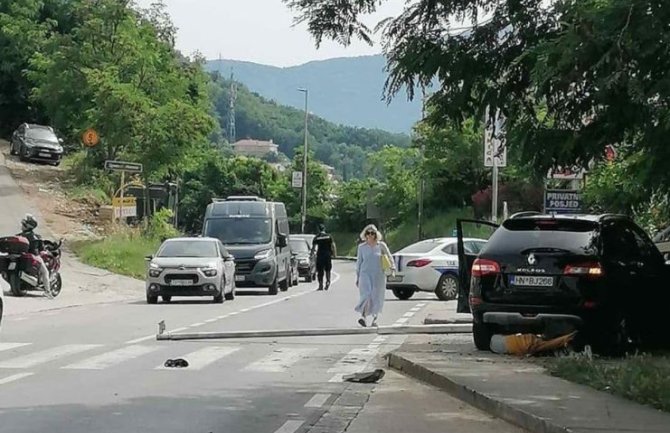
{"points": [[90, 138], [127, 202]]}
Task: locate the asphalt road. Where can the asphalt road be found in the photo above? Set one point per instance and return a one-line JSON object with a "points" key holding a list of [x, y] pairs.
{"points": [[97, 367]]}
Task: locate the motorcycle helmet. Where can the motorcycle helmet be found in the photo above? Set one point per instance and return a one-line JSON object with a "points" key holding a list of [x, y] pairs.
{"points": [[28, 223]]}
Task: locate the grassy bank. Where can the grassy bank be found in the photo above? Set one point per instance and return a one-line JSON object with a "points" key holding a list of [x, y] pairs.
{"points": [[407, 233], [643, 379], [121, 253]]}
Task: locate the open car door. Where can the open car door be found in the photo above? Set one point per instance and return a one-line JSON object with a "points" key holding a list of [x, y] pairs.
{"points": [[467, 253]]}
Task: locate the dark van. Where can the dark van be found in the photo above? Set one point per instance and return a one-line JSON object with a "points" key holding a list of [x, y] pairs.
{"points": [[255, 232]]}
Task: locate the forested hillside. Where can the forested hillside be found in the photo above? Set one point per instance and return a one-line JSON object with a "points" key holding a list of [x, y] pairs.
{"points": [[345, 90], [343, 147]]}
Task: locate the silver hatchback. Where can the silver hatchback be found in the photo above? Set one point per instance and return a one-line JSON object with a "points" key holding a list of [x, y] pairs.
{"points": [[191, 267]]}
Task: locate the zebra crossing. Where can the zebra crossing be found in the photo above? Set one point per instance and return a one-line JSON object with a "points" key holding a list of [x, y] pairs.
{"points": [[245, 358]]}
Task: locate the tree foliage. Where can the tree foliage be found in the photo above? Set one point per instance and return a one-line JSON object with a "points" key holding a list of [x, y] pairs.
{"points": [[570, 76]]}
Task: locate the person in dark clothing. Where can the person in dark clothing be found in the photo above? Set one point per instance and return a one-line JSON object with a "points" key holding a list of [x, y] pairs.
{"points": [[324, 245], [35, 247]]}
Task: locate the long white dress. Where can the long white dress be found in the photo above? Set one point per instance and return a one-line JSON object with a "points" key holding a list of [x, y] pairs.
{"points": [[371, 279]]}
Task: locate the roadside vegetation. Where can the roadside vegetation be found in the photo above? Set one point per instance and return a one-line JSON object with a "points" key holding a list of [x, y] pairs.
{"points": [[644, 379]]}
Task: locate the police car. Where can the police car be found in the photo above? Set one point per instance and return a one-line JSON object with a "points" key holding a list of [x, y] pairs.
{"points": [[430, 266]]}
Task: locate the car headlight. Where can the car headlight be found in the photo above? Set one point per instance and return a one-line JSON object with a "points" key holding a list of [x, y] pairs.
{"points": [[263, 254], [59, 149], [154, 270], [209, 272], [304, 262]]}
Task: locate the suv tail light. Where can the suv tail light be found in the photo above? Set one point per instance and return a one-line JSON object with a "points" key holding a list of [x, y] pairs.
{"points": [[589, 270], [420, 263], [484, 267]]}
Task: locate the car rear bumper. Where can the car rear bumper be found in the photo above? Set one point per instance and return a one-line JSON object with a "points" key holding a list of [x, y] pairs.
{"points": [[422, 281], [398, 286], [539, 320]]}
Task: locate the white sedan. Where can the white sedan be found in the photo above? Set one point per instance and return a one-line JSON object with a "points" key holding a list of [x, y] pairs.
{"points": [[430, 266]]}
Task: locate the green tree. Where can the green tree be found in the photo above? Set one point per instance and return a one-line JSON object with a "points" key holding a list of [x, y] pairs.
{"points": [[570, 76]]}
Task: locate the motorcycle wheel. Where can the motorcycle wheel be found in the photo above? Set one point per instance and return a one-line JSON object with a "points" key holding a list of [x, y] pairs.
{"points": [[15, 285], [56, 285]]}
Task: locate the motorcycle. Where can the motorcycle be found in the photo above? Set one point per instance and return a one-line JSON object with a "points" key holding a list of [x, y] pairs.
{"points": [[21, 270]]}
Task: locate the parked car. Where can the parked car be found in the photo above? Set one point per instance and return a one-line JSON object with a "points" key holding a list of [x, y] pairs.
{"points": [[37, 143], [429, 266], [662, 240], [294, 274], [191, 267], [302, 251], [600, 274]]}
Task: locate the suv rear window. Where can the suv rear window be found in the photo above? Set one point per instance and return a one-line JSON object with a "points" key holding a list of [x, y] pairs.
{"points": [[518, 235]]}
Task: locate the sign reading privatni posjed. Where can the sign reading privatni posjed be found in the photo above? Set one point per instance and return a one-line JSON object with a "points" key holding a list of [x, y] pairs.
{"points": [[562, 201]]}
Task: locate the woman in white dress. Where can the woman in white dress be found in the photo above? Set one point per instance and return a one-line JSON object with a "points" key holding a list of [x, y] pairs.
{"points": [[371, 274]]}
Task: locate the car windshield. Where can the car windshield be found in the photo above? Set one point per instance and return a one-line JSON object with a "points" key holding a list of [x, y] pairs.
{"points": [[421, 247], [240, 231], [188, 249], [299, 245], [41, 134]]}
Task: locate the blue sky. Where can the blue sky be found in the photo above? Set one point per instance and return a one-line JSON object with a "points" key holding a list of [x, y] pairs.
{"points": [[259, 31]]}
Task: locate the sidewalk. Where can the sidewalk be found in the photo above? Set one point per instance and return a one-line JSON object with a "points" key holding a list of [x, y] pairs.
{"points": [[519, 391]]}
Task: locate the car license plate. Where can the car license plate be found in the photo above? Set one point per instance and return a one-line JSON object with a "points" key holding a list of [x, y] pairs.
{"points": [[181, 282], [44, 155], [11, 266], [239, 278], [394, 279], [532, 281]]}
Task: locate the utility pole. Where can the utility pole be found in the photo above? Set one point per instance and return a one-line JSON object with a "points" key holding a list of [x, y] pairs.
{"points": [[304, 167], [232, 133], [422, 180]]}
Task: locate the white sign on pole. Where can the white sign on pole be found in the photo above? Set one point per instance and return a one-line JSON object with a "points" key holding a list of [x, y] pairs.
{"points": [[495, 148], [125, 212], [296, 181]]}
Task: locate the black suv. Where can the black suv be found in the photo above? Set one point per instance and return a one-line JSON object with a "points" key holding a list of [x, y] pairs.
{"points": [[600, 274], [37, 143]]}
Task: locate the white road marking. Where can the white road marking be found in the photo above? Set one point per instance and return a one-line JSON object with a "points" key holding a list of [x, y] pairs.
{"points": [[318, 400], [423, 304], [195, 325], [401, 321], [244, 311], [290, 426], [48, 355], [10, 346], [114, 357], [211, 320], [410, 314], [279, 361], [139, 340], [202, 358], [415, 309], [380, 339], [353, 362], [14, 378]]}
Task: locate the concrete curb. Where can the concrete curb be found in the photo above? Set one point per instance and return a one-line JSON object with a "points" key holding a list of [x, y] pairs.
{"points": [[382, 330], [346, 258], [437, 321], [484, 402]]}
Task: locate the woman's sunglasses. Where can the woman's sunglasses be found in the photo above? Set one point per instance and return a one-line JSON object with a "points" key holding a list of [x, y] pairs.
{"points": [[370, 234]]}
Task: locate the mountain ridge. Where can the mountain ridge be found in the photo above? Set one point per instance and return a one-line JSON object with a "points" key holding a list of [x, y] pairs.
{"points": [[343, 90]]}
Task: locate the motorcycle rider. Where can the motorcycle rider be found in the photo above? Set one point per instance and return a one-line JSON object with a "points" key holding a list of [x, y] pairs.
{"points": [[28, 226]]}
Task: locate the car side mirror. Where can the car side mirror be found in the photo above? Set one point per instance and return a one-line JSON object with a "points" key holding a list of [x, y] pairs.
{"points": [[149, 258], [282, 240], [229, 259]]}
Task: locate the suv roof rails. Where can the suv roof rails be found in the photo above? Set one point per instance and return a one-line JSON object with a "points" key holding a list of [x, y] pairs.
{"points": [[525, 214]]}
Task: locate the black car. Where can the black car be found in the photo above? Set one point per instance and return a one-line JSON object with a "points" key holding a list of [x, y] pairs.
{"points": [[543, 273], [302, 251], [37, 143]]}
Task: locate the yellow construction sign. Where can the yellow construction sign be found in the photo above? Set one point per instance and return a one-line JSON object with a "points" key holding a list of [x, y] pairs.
{"points": [[124, 202]]}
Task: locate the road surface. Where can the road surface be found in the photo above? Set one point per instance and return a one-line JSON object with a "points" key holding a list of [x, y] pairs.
{"points": [[97, 367]]}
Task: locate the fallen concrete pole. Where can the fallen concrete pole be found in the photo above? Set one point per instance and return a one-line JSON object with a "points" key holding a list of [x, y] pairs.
{"points": [[382, 330]]}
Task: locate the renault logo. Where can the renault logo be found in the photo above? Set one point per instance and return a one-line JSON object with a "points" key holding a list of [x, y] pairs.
{"points": [[532, 259]]}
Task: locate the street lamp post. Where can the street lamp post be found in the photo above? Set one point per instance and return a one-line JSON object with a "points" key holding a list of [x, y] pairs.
{"points": [[304, 167]]}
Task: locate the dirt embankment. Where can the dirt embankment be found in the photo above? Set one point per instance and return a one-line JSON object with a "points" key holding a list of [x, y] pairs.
{"points": [[45, 186]]}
